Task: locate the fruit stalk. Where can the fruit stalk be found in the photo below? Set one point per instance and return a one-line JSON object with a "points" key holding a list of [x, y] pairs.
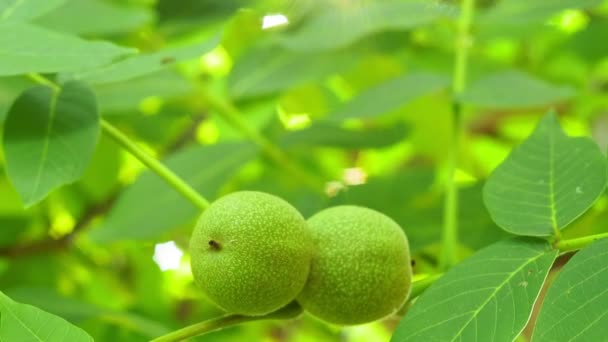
{"points": [[292, 310], [450, 215], [418, 287]]}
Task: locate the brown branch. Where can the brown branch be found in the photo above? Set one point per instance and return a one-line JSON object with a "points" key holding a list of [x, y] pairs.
{"points": [[52, 245], [187, 136], [488, 123]]}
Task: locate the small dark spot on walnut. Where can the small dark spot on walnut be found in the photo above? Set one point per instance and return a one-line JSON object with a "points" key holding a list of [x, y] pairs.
{"points": [[215, 245]]}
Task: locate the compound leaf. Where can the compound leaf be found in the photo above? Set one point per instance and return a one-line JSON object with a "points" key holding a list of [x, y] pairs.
{"points": [[488, 297], [546, 182], [575, 306]]}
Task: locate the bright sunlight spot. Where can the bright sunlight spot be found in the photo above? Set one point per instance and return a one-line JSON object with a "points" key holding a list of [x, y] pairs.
{"points": [[293, 121], [131, 167], [62, 224], [207, 132], [151, 105], [167, 256], [373, 332], [570, 21], [354, 176], [274, 20], [502, 50], [217, 62], [462, 177], [333, 188]]}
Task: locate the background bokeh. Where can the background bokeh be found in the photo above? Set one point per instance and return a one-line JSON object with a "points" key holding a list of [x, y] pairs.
{"points": [[357, 94]]}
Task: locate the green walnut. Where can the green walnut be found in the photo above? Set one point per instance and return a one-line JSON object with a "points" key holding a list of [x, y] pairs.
{"points": [[361, 269], [251, 253]]}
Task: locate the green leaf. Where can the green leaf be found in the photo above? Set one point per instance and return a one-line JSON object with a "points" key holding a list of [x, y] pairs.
{"points": [[144, 64], [10, 88], [487, 297], [27, 48], [514, 89], [75, 310], [575, 306], [126, 96], [49, 300], [49, 138], [333, 135], [150, 208], [523, 12], [267, 70], [108, 18], [339, 27], [22, 10], [546, 182], [22, 322], [390, 95]]}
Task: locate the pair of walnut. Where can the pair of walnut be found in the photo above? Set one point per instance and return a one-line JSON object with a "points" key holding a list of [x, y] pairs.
{"points": [[252, 253]]}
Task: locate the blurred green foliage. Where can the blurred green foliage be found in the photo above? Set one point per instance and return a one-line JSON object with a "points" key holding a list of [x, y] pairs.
{"points": [[357, 92]]}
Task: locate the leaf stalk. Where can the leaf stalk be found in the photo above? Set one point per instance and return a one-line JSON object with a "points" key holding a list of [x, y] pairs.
{"points": [[578, 243]]}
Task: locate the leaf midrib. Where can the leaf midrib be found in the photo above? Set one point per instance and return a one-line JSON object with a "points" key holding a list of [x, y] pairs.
{"points": [[8, 309], [552, 199], [499, 287], [45, 147]]}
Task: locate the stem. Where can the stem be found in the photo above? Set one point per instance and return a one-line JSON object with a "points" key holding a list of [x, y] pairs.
{"points": [[578, 243], [292, 310], [230, 113], [450, 227], [418, 287], [153, 164], [43, 81]]}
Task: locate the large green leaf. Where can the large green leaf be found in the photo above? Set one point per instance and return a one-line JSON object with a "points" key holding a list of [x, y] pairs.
{"points": [[546, 182], [49, 138], [390, 95], [144, 64], [22, 322], [27, 48], [339, 27], [575, 308], [108, 18], [487, 297], [514, 89], [266, 70], [21, 10], [150, 208], [333, 135]]}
